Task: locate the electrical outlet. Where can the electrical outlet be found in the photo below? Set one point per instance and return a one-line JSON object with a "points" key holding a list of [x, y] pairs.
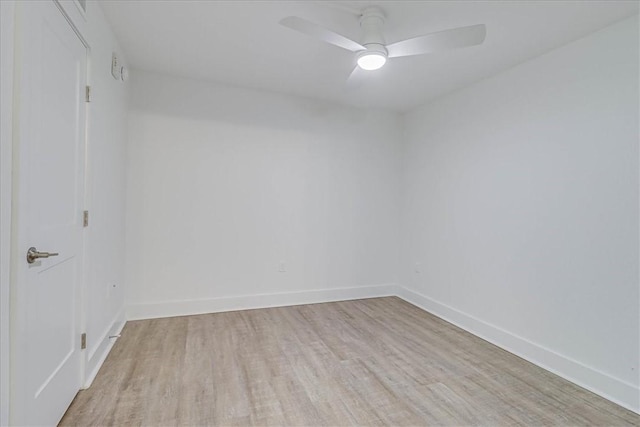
{"points": [[282, 267], [418, 268]]}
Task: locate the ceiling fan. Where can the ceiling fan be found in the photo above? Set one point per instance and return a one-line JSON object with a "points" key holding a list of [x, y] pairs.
{"points": [[372, 52]]}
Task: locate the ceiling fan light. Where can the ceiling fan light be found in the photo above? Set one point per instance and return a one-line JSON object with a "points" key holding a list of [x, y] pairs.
{"points": [[371, 61]]}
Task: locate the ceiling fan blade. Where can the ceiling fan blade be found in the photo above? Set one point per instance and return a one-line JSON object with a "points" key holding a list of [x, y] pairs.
{"points": [[355, 79], [439, 41], [321, 33]]}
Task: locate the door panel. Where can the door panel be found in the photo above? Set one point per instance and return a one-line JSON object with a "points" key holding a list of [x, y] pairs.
{"points": [[59, 190], [50, 320], [46, 355]]}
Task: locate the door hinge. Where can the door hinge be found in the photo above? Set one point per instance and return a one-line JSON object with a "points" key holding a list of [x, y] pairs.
{"points": [[87, 94], [83, 341], [85, 219]]}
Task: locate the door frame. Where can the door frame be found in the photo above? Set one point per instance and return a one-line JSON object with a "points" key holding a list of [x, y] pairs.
{"points": [[10, 259], [7, 10]]}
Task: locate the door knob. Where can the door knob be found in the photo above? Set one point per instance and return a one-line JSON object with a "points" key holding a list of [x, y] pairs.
{"points": [[33, 255]]}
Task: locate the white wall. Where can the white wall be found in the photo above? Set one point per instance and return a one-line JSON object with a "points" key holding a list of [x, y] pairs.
{"points": [[105, 192], [224, 184], [520, 206]]}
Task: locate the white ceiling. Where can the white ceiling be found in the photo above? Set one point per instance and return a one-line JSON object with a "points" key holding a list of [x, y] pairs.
{"points": [[240, 43]]}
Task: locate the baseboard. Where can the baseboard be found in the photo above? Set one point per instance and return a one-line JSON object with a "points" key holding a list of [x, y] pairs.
{"points": [[98, 354], [215, 305], [613, 389]]}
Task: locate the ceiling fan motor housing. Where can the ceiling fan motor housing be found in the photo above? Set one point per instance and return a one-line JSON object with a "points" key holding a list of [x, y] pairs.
{"points": [[371, 22]]}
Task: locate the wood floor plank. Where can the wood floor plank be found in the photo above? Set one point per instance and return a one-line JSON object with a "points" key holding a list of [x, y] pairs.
{"points": [[371, 362]]}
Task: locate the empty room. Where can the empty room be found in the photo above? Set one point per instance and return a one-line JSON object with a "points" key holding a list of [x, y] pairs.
{"points": [[319, 213]]}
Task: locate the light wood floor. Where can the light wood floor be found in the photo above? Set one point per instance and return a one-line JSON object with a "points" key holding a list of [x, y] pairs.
{"points": [[377, 361]]}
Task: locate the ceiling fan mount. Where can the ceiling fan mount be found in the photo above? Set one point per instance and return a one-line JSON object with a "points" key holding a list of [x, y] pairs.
{"points": [[372, 52], [371, 21], [375, 54]]}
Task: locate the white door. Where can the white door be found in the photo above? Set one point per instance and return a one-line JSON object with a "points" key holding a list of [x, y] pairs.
{"points": [[51, 72]]}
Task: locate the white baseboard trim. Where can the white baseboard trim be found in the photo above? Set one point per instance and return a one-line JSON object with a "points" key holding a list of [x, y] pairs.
{"points": [[618, 391], [98, 354], [247, 302]]}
